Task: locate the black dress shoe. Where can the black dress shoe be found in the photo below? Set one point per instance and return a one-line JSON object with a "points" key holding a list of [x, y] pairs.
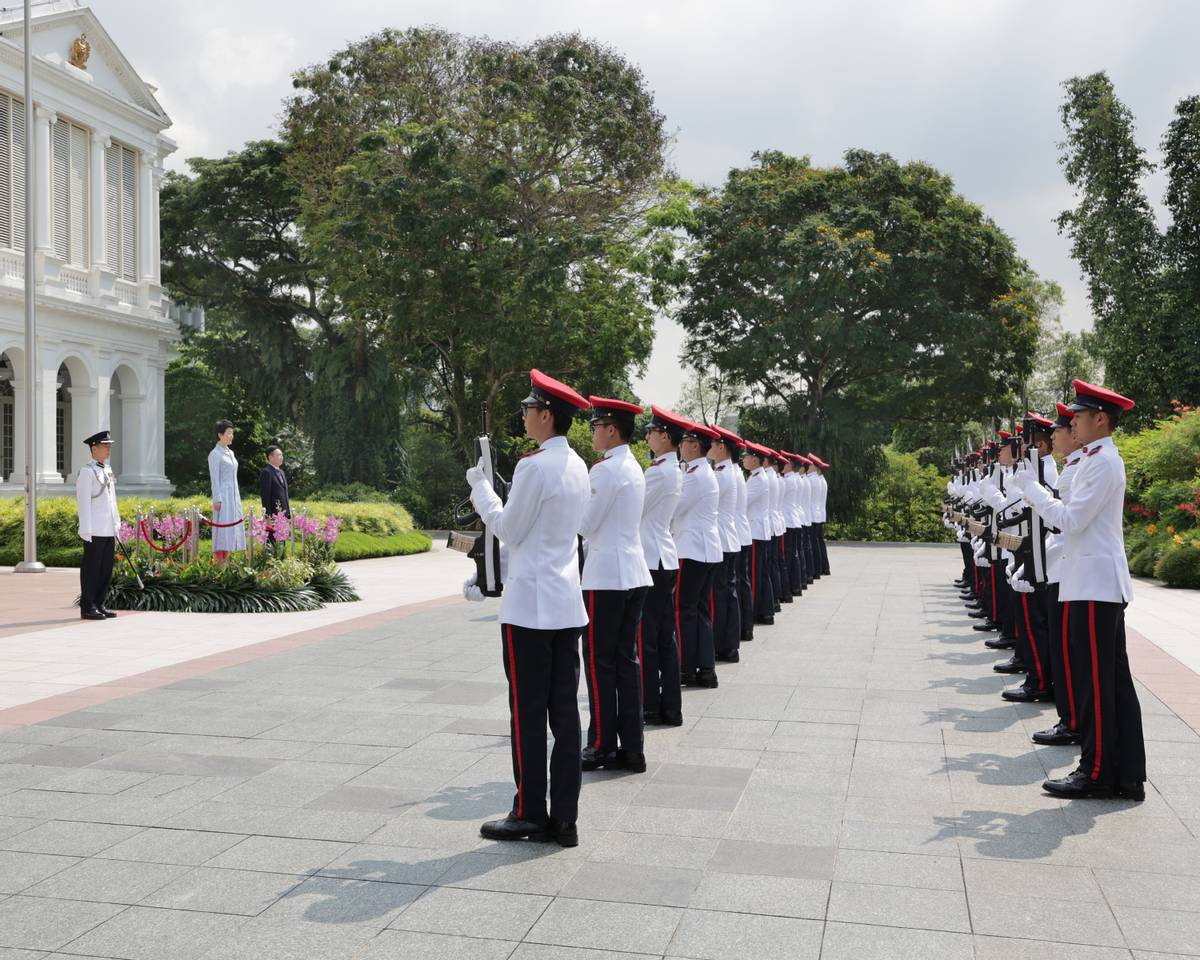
{"points": [[707, 678], [564, 833], [1025, 694], [108, 614], [592, 759], [976, 614], [748, 638], [986, 625], [1057, 736], [728, 656], [998, 643], [512, 828], [91, 615], [1131, 790], [764, 621], [1077, 785], [633, 762], [1011, 666], [672, 719]]}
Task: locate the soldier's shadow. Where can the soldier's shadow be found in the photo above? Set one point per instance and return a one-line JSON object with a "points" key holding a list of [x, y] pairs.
{"points": [[995, 720], [1023, 836], [997, 769], [960, 639], [471, 802], [973, 686], [960, 658]]}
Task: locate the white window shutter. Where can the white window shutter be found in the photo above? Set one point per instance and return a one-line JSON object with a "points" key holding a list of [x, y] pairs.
{"points": [[60, 164], [7, 156], [79, 195], [18, 172], [112, 207], [128, 214]]}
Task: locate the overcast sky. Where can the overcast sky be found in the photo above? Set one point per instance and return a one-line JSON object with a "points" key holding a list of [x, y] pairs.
{"points": [[972, 86]]}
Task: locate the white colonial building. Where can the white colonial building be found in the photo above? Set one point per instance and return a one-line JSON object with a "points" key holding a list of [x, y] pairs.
{"points": [[104, 329]]}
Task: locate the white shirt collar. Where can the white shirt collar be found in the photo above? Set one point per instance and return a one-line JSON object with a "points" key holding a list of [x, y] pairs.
{"points": [[556, 441]]}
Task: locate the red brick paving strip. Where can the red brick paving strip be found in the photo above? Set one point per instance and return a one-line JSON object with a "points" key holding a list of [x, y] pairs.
{"points": [[1174, 683], [56, 706]]}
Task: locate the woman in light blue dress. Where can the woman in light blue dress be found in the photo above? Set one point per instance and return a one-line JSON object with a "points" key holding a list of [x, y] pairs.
{"points": [[226, 498]]}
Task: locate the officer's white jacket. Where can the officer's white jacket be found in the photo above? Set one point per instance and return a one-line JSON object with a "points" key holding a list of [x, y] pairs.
{"points": [[806, 497], [758, 505], [663, 480], [1093, 562], [820, 492], [743, 518], [96, 498], [694, 525], [611, 522], [539, 527], [727, 525], [775, 485], [1054, 541], [795, 486]]}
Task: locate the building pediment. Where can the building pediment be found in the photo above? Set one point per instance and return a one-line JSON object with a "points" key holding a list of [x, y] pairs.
{"points": [[57, 26]]}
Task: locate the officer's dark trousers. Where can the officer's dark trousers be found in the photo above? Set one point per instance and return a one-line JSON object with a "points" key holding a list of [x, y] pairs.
{"points": [[791, 540], [726, 613], [610, 663], [658, 648], [95, 573], [783, 590], [1035, 637], [968, 564], [745, 594], [1110, 717], [763, 590], [693, 615], [811, 553], [1004, 600], [1060, 665], [820, 528], [542, 667]]}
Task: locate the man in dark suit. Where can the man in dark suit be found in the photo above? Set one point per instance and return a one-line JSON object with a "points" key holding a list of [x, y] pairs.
{"points": [[274, 485]]}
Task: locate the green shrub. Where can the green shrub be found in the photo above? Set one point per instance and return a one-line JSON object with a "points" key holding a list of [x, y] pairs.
{"points": [[1141, 563], [902, 505], [363, 546], [351, 493], [1179, 566]]}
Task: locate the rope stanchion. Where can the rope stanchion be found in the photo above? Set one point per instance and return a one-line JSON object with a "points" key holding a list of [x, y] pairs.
{"points": [[219, 526], [173, 547]]}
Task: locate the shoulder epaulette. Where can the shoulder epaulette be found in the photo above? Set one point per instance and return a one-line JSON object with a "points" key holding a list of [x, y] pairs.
{"points": [[693, 469], [720, 466], [1094, 451], [655, 463], [598, 462]]}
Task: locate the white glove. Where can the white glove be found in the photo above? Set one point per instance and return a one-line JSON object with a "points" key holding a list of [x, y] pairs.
{"points": [[470, 591], [1020, 480], [1018, 583], [475, 475]]}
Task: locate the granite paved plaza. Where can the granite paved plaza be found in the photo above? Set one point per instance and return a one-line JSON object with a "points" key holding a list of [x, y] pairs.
{"points": [[854, 789]]}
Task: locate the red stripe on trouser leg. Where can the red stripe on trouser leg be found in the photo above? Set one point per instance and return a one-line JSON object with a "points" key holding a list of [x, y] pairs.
{"points": [[712, 607], [753, 573], [995, 612], [592, 661], [516, 712], [1095, 688], [678, 629], [1037, 661], [641, 658], [1066, 615]]}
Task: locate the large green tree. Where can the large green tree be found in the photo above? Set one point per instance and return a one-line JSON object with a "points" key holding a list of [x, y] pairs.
{"points": [[1143, 284], [850, 298], [478, 207]]}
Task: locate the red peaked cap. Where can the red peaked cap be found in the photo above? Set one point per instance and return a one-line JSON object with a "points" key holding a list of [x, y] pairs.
{"points": [[817, 460], [668, 418], [757, 450], [606, 407], [1065, 415], [1088, 396], [1044, 422], [544, 389], [1004, 434], [1020, 428], [700, 431], [730, 438]]}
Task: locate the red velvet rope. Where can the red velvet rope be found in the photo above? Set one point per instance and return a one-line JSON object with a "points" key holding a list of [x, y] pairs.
{"points": [[187, 531], [220, 526]]}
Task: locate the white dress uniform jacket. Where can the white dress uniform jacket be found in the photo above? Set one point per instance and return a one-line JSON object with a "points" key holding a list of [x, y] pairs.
{"points": [[663, 480], [758, 505], [1054, 541], [611, 522], [538, 527], [795, 500], [694, 526], [96, 497], [1094, 564], [743, 519], [727, 525], [806, 499], [775, 485], [820, 492]]}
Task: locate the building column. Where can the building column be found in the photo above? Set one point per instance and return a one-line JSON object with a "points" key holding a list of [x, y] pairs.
{"points": [[100, 278], [132, 433], [45, 396], [43, 118], [145, 234], [84, 419], [155, 215], [153, 422]]}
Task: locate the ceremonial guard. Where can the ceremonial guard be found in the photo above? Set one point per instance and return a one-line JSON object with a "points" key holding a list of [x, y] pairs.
{"points": [[616, 578], [1066, 730], [99, 524], [793, 518], [698, 542], [1095, 587], [745, 593], [541, 613], [726, 612], [758, 510], [658, 648], [820, 494], [807, 529], [779, 573]]}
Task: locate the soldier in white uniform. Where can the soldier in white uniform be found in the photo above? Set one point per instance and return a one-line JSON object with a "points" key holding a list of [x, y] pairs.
{"points": [[615, 580], [99, 522], [805, 476], [779, 577], [1095, 587], [758, 511], [793, 517], [745, 592], [541, 613], [698, 543], [726, 614], [658, 647], [821, 492]]}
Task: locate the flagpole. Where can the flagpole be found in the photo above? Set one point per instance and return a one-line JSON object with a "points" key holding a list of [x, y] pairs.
{"points": [[31, 564]]}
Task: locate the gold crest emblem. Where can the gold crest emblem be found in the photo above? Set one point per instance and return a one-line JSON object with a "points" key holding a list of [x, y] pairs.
{"points": [[80, 51]]}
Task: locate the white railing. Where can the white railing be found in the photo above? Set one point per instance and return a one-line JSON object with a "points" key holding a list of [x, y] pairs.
{"points": [[75, 280], [12, 265], [126, 292]]}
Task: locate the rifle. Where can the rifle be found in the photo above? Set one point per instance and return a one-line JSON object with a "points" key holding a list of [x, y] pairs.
{"points": [[484, 549]]}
